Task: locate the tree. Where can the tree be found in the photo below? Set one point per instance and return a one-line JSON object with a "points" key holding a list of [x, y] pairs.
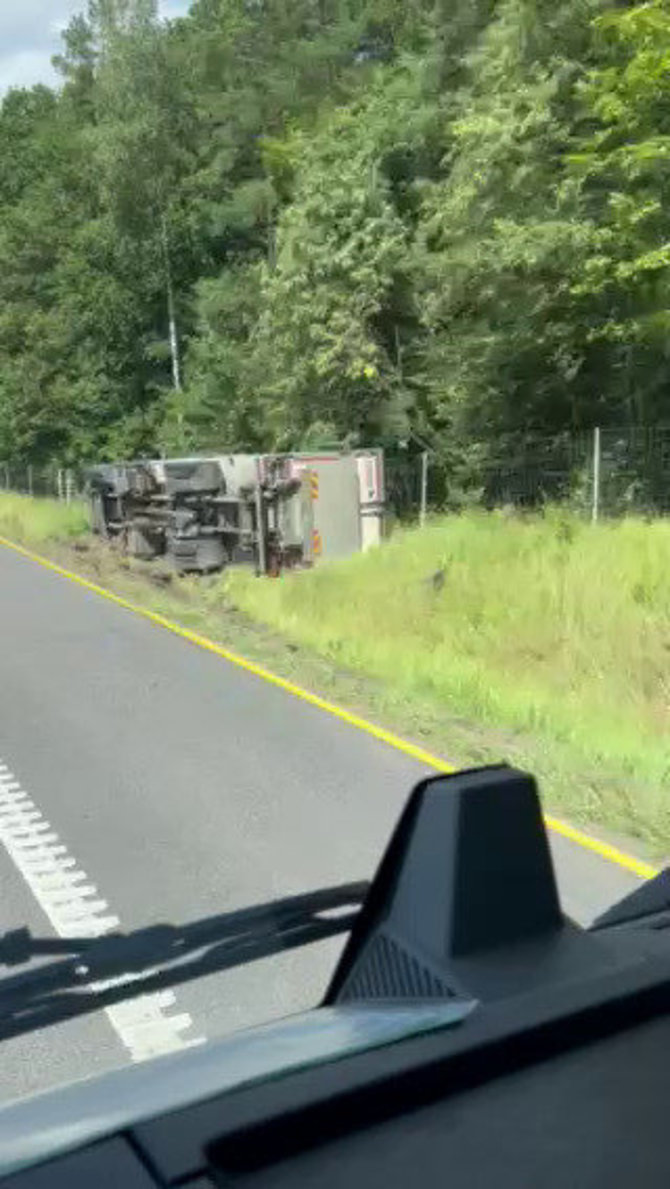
{"points": [[138, 136], [500, 239], [274, 223], [621, 171], [338, 302]]}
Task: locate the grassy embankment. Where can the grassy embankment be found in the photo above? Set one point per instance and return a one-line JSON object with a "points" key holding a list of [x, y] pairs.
{"points": [[38, 521], [547, 645], [556, 631]]}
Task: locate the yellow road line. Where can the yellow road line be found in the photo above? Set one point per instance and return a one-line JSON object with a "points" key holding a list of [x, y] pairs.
{"points": [[603, 849], [637, 866]]}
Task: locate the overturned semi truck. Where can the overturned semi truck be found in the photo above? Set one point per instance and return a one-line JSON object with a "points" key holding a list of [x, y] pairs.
{"points": [[271, 511]]}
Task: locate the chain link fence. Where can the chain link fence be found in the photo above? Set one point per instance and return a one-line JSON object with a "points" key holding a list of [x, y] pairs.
{"points": [[62, 483], [607, 471]]}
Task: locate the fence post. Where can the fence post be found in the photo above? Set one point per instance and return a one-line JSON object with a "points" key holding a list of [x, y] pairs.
{"points": [[68, 486], [30, 479], [424, 488], [595, 503]]}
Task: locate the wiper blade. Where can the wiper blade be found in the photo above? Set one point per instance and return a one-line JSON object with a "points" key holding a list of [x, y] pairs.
{"points": [[104, 970]]}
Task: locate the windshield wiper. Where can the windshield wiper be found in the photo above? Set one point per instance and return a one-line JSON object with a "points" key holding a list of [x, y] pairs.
{"points": [[101, 971]]}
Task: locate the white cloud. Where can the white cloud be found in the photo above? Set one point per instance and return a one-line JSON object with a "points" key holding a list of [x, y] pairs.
{"points": [[23, 68], [30, 33]]}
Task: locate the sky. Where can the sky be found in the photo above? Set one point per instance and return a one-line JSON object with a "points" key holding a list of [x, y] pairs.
{"points": [[30, 34]]}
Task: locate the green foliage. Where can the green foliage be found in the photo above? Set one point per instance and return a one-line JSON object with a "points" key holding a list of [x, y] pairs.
{"points": [[360, 220], [621, 171], [499, 242], [222, 405], [336, 294]]}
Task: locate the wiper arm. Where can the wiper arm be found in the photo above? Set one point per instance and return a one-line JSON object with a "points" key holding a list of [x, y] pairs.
{"points": [[104, 970]]}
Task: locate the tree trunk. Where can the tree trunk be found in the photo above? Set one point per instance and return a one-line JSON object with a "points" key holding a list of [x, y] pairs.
{"points": [[172, 320]]}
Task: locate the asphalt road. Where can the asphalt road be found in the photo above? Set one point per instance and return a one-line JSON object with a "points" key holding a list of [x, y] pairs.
{"points": [[184, 786]]}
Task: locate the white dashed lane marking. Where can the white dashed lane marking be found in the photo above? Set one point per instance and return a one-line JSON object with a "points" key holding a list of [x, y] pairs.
{"points": [[75, 908]]}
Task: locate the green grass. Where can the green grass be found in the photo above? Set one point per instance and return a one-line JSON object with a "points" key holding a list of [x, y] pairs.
{"points": [[553, 629], [36, 521]]}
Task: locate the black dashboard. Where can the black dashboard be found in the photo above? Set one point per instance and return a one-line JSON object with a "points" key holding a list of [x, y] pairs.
{"points": [[556, 1075]]}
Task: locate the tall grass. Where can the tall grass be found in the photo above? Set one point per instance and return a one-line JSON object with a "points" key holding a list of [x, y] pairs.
{"points": [[544, 625], [35, 521]]}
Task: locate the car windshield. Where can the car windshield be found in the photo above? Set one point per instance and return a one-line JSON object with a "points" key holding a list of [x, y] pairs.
{"points": [[333, 455]]}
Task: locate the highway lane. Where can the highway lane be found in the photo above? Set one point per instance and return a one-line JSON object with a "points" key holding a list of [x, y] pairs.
{"points": [[183, 786]]}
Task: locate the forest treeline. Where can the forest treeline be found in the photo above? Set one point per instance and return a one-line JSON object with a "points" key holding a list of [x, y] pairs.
{"points": [[284, 223]]}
